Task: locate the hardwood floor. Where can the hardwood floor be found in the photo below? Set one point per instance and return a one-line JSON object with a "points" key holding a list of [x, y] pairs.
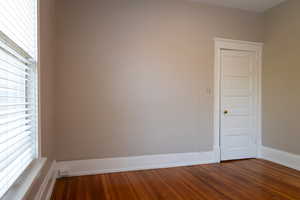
{"points": [[236, 180]]}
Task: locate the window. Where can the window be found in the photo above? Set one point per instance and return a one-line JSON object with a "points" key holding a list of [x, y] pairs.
{"points": [[18, 89]]}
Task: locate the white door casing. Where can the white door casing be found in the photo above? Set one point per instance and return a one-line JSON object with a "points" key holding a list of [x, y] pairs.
{"points": [[237, 89]]}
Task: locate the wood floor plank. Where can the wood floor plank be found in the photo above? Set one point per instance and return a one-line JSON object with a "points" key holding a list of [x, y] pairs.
{"points": [[200, 186], [276, 167], [290, 191], [219, 183], [255, 190], [238, 180], [162, 189], [172, 178], [290, 178], [141, 188]]}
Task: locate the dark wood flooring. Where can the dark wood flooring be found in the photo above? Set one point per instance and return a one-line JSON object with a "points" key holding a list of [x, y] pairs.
{"points": [[236, 180]]}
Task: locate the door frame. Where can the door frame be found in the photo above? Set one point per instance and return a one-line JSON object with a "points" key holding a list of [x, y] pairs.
{"points": [[228, 44]]}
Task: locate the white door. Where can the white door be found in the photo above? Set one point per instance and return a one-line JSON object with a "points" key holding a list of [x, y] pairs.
{"points": [[239, 94]]}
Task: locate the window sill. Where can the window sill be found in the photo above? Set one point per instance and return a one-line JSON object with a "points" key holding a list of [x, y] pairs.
{"points": [[19, 190]]}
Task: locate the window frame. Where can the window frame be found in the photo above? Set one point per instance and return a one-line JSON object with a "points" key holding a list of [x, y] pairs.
{"points": [[38, 82]]}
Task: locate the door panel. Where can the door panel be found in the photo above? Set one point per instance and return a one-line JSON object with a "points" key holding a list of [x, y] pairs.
{"points": [[237, 106], [235, 141], [238, 93]]}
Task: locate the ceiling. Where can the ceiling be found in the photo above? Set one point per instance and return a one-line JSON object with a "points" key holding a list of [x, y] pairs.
{"points": [[251, 5]]}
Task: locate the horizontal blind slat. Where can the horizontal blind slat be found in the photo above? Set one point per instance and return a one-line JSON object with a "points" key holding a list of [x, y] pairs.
{"points": [[13, 104], [15, 97], [13, 144], [16, 75], [14, 126], [5, 137], [9, 176], [11, 62], [8, 112], [12, 157], [14, 119], [3, 174], [4, 81], [8, 60], [12, 89]]}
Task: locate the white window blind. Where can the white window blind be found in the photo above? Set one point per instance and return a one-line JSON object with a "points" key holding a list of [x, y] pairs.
{"points": [[18, 86], [18, 21]]}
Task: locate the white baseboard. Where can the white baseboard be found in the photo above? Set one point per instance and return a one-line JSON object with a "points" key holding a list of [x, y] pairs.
{"points": [[47, 186], [109, 165], [53, 180], [217, 154], [280, 157]]}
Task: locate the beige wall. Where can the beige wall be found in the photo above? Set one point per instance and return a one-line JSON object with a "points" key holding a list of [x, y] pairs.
{"points": [[132, 75], [47, 49], [47, 64], [281, 82]]}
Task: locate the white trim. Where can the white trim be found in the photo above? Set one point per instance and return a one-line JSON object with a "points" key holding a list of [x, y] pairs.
{"points": [[220, 44], [47, 185], [239, 44], [280, 157], [109, 165], [24, 183], [52, 183], [38, 67]]}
